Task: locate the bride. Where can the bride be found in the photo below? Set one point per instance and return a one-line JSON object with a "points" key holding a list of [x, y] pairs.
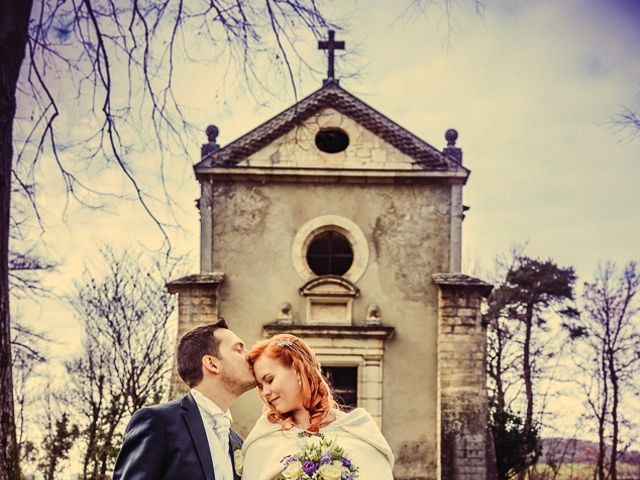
{"points": [[299, 407]]}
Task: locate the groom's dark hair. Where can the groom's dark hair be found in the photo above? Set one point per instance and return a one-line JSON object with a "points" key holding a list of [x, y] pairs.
{"points": [[194, 345]]}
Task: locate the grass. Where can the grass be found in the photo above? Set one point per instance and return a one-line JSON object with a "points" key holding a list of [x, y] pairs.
{"points": [[583, 471]]}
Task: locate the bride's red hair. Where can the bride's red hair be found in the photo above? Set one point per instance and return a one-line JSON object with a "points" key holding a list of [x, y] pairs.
{"points": [[316, 393]]}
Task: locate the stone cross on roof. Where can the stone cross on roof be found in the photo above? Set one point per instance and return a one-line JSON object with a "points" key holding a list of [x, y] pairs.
{"points": [[331, 46]]}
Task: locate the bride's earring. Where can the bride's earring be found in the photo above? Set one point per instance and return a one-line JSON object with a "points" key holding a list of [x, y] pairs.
{"points": [[299, 383]]}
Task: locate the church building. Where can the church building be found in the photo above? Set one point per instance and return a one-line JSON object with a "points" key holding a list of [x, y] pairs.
{"points": [[332, 222]]}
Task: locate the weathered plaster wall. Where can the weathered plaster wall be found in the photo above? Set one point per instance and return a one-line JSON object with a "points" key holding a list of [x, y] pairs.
{"points": [[407, 230]]}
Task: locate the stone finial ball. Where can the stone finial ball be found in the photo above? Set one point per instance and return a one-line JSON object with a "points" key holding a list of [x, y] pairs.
{"points": [[285, 307], [212, 133], [451, 136]]}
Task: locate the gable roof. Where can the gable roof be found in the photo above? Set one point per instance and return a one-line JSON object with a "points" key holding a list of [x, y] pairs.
{"points": [[331, 95]]}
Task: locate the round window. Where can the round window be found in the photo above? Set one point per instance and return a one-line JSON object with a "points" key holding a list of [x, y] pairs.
{"points": [[330, 253], [332, 140]]}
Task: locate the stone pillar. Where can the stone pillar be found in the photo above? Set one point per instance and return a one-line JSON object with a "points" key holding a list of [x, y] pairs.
{"points": [[457, 215], [463, 409], [370, 385], [197, 305], [205, 205]]}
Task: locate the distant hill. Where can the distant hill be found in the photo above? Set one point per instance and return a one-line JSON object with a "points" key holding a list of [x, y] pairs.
{"points": [[578, 451]]}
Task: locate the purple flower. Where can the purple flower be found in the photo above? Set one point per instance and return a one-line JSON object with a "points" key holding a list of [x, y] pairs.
{"points": [[346, 462], [326, 458], [309, 467], [349, 477]]}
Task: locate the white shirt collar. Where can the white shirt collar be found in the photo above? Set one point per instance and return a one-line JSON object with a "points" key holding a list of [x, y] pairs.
{"points": [[209, 405]]}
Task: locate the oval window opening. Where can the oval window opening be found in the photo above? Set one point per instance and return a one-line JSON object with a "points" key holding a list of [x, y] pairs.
{"points": [[332, 140]]}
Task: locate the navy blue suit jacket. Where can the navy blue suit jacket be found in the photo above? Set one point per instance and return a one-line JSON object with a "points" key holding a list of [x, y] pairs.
{"points": [[168, 442]]}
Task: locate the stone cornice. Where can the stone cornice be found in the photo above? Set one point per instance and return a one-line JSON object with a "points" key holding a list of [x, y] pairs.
{"points": [[309, 175], [462, 281], [380, 332], [204, 280]]}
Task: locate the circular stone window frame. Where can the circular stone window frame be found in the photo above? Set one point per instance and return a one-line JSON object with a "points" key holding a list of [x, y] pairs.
{"points": [[325, 223]]}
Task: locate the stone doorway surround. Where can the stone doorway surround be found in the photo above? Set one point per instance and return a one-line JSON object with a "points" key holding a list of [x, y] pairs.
{"points": [[348, 346], [330, 332]]}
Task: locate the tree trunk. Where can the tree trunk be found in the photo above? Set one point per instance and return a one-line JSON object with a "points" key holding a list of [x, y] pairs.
{"points": [[500, 401], [51, 468], [615, 400], [14, 24], [526, 374], [526, 367], [494, 366], [602, 420]]}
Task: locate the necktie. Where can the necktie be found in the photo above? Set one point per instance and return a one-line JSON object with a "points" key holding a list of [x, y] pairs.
{"points": [[222, 426]]}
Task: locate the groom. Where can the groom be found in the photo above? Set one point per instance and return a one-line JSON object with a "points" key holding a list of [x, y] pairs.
{"points": [[190, 438]]}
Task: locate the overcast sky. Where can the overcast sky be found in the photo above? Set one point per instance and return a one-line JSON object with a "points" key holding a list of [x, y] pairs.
{"points": [[531, 87]]}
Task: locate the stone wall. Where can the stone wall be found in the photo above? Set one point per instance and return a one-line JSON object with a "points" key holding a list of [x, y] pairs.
{"points": [[462, 395]]}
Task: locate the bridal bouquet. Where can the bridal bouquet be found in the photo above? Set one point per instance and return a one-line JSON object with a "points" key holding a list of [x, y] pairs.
{"points": [[318, 459]]}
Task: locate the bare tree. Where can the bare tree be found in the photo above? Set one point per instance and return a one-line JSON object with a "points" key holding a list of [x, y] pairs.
{"points": [[100, 409], [27, 267], [504, 354], [28, 353], [59, 439], [127, 350], [58, 433], [607, 349], [121, 57]]}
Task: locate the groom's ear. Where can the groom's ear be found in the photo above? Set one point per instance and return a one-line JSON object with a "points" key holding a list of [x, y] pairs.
{"points": [[211, 364]]}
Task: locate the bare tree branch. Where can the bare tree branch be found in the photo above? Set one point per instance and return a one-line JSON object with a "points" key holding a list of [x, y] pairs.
{"points": [[114, 64], [628, 120]]}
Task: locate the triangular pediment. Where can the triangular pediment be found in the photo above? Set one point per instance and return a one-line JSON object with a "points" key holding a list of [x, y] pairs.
{"points": [[288, 140]]}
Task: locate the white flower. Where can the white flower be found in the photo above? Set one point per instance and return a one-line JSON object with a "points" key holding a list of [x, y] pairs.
{"points": [[238, 460], [331, 471], [293, 470]]}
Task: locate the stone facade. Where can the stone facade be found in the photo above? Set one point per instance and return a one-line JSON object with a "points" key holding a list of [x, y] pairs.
{"points": [[397, 202]]}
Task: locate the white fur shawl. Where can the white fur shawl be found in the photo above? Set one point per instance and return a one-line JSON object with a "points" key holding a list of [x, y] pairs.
{"points": [[355, 432]]}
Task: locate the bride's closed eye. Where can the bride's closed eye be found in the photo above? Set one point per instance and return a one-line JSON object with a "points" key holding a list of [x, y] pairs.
{"points": [[267, 380]]}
